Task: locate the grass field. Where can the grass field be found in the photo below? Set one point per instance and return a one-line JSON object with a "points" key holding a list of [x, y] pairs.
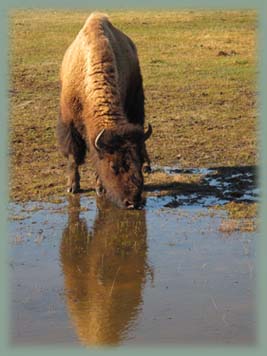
{"points": [[199, 70]]}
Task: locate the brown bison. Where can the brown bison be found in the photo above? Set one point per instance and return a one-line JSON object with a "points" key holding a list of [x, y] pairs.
{"points": [[102, 111]]}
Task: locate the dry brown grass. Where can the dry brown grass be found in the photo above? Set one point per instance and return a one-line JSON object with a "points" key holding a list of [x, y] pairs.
{"points": [[202, 105]]}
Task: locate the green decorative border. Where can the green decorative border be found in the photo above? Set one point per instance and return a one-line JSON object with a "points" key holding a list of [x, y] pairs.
{"points": [[259, 5]]}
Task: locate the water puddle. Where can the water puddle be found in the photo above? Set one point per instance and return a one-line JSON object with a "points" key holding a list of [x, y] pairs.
{"points": [[217, 186], [85, 273]]}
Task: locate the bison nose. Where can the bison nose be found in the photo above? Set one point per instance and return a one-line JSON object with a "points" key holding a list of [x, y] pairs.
{"points": [[136, 203], [128, 204]]}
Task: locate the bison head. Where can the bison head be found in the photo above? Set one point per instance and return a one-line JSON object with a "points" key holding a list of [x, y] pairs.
{"points": [[119, 161]]}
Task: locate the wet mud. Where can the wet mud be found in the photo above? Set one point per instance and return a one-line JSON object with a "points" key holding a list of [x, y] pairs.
{"points": [[83, 272]]}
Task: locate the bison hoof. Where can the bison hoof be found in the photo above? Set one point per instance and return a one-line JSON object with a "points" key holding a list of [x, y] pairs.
{"points": [[100, 191], [147, 169], [74, 188]]}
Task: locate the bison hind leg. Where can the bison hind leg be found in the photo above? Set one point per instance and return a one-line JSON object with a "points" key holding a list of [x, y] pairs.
{"points": [[73, 147]]}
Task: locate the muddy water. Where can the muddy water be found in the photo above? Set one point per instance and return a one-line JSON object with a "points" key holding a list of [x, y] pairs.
{"points": [[85, 273]]}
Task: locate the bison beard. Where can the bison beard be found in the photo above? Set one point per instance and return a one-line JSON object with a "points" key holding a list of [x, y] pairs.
{"points": [[102, 111]]}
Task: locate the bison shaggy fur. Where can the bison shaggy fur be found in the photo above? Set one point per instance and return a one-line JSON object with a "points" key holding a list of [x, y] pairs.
{"points": [[102, 111]]}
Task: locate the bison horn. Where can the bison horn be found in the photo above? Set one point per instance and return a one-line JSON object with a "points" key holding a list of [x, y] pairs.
{"points": [[148, 133], [97, 146]]}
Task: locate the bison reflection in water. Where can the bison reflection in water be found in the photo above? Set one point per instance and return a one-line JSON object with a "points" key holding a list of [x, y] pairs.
{"points": [[104, 271]]}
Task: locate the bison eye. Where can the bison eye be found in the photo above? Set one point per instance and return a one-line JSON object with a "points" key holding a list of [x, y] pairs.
{"points": [[126, 167], [114, 168]]}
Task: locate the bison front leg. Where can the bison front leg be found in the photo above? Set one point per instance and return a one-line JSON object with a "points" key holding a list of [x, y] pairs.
{"points": [[73, 184], [73, 147], [146, 165]]}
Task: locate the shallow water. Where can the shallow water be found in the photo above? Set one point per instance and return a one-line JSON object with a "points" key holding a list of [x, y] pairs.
{"points": [[85, 273]]}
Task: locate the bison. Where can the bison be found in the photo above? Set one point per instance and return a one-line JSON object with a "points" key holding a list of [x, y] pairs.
{"points": [[102, 111]]}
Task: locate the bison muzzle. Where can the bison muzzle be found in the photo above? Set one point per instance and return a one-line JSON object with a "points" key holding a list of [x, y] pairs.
{"points": [[102, 111]]}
